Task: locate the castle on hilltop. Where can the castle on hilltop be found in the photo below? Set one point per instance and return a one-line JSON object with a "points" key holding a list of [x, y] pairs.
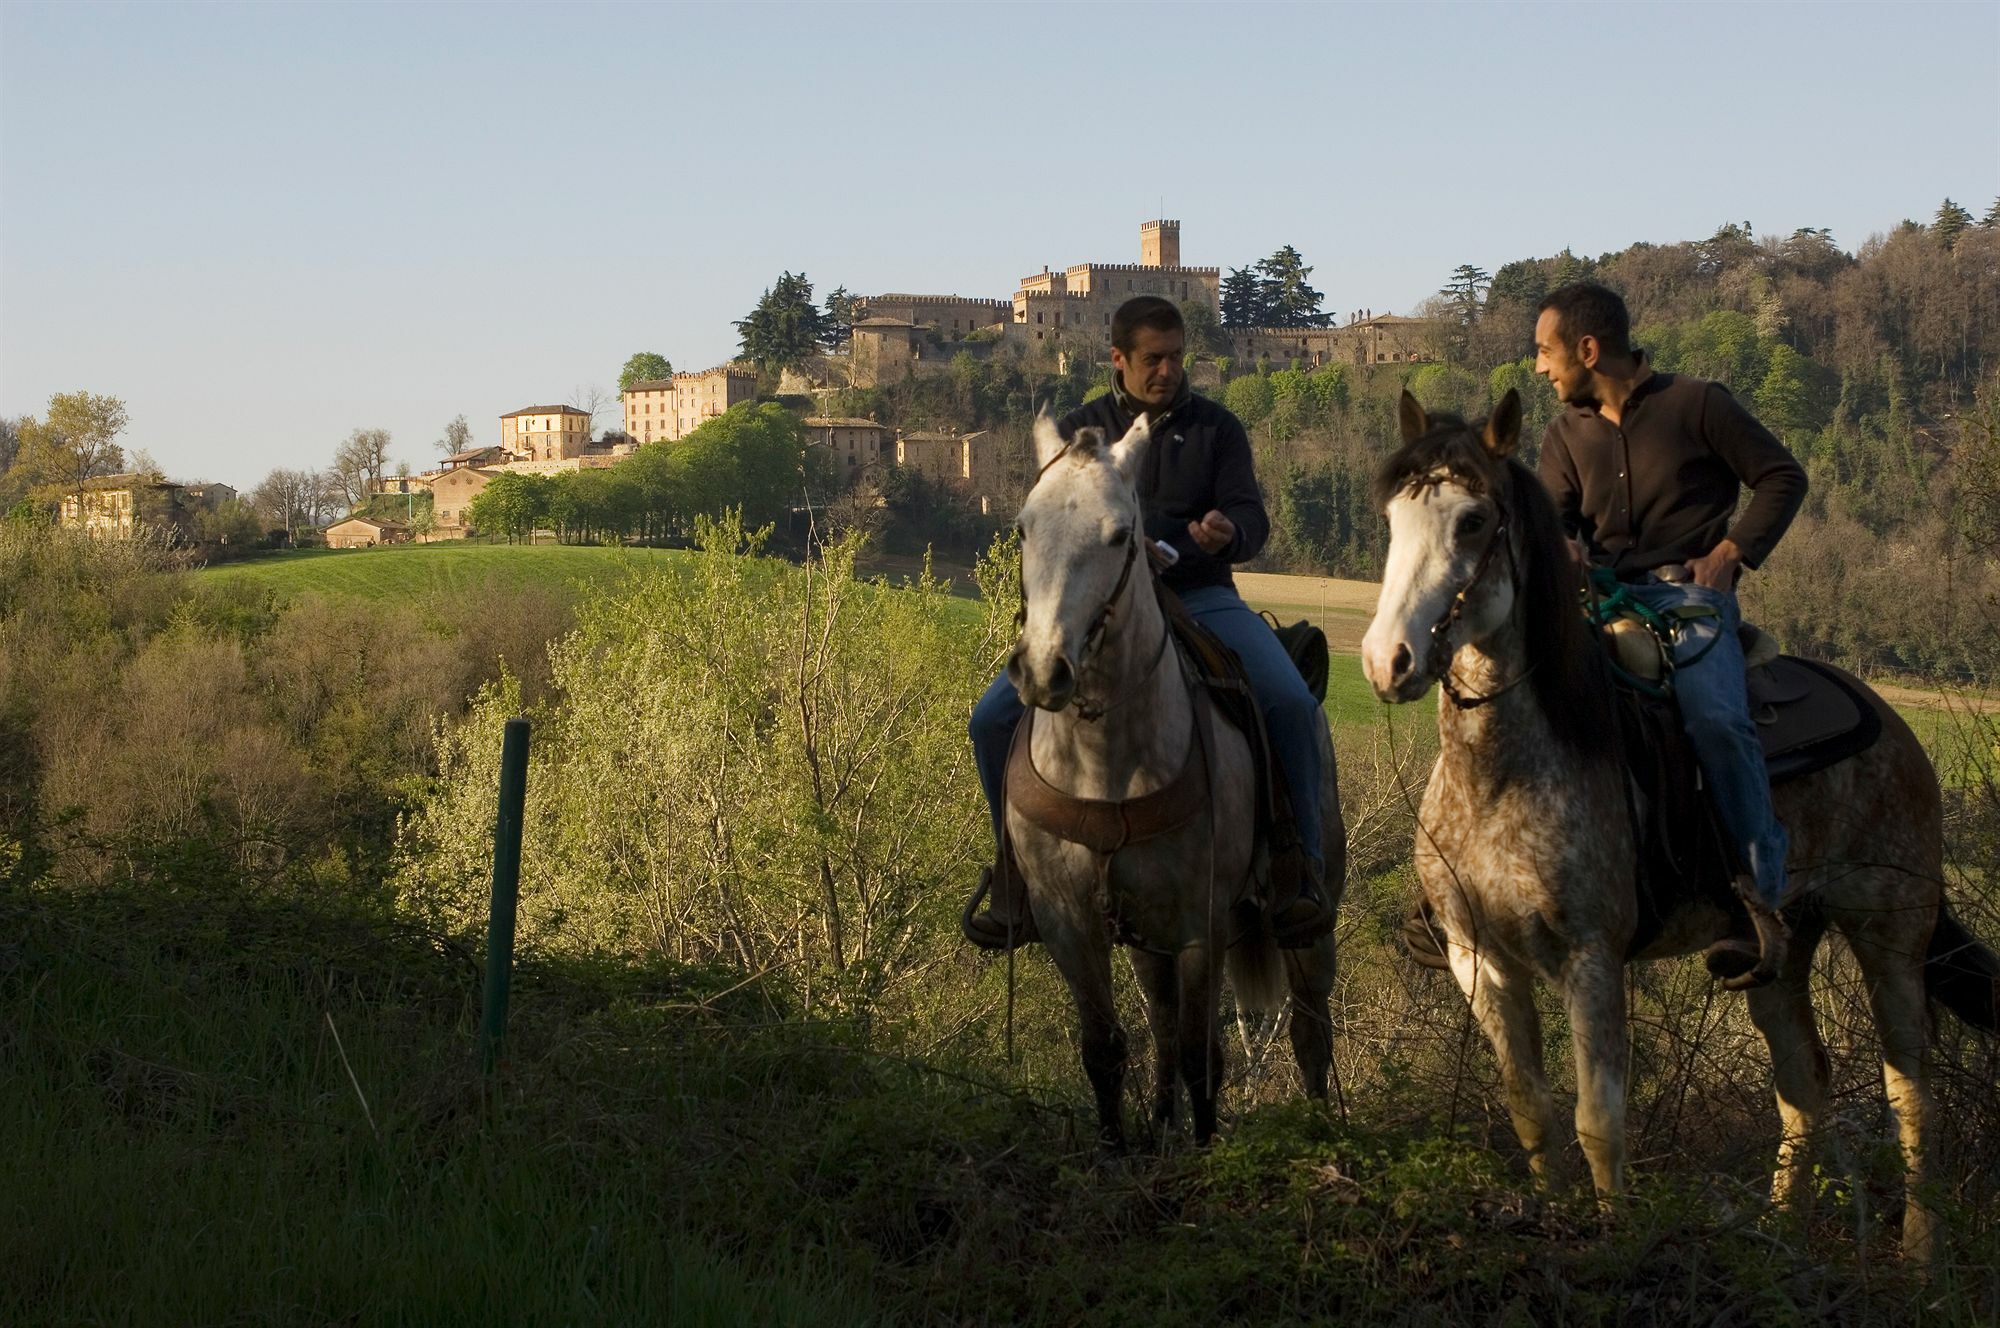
{"points": [[898, 334]]}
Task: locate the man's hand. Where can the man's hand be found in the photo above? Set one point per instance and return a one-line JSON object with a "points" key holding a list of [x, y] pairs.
{"points": [[1213, 533], [1719, 567]]}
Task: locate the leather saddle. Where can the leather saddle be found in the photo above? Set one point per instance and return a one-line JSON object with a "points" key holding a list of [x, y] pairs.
{"points": [[1809, 716]]}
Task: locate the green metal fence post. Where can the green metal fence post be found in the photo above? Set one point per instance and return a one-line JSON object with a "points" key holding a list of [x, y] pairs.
{"points": [[506, 890]]}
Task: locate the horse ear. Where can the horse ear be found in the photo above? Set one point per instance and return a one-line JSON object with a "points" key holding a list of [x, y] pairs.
{"points": [[1048, 441], [1503, 427], [1128, 451], [1411, 415]]}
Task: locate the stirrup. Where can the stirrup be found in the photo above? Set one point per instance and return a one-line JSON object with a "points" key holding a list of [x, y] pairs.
{"points": [[1306, 916], [1741, 963], [991, 933]]}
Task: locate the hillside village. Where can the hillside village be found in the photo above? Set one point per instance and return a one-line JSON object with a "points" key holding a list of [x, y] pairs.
{"points": [[892, 338]]}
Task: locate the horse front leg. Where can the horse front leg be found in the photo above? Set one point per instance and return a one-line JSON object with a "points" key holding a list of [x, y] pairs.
{"points": [[1594, 989], [1503, 1001], [1083, 956], [1200, 1038], [1159, 977]]}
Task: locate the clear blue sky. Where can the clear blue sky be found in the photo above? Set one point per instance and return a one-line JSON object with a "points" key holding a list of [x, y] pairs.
{"points": [[263, 226]]}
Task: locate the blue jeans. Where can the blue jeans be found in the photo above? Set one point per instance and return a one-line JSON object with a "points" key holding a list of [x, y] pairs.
{"points": [[1715, 711], [1290, 712]]}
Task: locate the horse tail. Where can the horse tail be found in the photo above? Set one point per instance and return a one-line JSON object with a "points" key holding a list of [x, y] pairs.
{"points": [[1963, 974], [1257, 972]]}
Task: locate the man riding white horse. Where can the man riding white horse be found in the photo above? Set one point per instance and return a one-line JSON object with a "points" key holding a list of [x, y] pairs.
{"points": [[1200, 494]]}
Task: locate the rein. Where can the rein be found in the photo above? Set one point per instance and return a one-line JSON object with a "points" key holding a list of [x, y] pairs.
{"points": [[1438, 662]]}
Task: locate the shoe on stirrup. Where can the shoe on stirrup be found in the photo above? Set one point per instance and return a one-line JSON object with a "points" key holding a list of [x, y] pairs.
{"points": [[1006, 923], [1306, 916]]}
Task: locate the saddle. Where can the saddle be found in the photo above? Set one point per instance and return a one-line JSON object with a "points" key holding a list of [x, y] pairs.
{"points": [[1222, 677], [1809, 716]]}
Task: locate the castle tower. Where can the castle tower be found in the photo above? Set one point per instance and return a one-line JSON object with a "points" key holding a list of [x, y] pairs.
{"points": [[1159, 244]]}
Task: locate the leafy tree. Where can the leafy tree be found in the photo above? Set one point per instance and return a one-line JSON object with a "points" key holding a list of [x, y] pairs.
{"points": [[1951, 221], [457, 437], [645, 367], [511, 504], [751, 457], [1249, 398], [1518, 283], [1245, 303], [1205, 336], [1784, 400], [786, 328], [1290, 301], [75, 442]]}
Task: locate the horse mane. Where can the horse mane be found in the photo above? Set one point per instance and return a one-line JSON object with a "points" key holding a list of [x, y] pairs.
{"points": [[1567, 673]]}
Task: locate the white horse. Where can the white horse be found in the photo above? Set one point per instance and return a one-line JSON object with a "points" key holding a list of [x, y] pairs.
{"points": [[1525, 847], [1113, 718]]}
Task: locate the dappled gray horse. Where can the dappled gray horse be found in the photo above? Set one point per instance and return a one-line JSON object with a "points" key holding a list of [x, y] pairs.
{"points": [[1525, 847], [1157, 793]]}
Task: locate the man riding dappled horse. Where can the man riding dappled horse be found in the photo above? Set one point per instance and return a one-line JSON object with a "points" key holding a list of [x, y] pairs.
{"points": [[1201, 499], [1645, 470]]}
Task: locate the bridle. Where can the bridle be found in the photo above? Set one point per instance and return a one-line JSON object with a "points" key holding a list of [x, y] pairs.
{"points": [[1438, 661], [1085, 710]]}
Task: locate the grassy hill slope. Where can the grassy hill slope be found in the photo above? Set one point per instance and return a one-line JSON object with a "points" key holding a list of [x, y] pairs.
{"points": [[413, 570]]}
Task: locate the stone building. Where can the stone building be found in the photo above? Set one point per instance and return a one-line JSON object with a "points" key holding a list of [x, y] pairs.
{"points": [[951, 317], [1083, 296], [666, 409], [120, 506], [365, 532], [1384, 339], [545, 433], [856, 445], [452, 494]]}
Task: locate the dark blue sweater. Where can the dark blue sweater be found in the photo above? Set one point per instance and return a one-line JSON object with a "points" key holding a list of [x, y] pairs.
{"points": [[1198, 462]]}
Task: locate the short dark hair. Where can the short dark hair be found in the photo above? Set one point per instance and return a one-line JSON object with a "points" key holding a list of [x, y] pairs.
{"points": [[1586, 309], [1144, 311]]}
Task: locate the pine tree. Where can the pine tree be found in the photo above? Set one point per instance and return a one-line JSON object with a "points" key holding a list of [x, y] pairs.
{"points": [[1292, 303], [1992, 217], [1245, 301], [786, 327], [1466, 290], [1950, 223]]}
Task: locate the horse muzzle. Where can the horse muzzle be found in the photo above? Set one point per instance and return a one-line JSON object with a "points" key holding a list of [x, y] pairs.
{"points": [[1393, 671], [1047, 681]]}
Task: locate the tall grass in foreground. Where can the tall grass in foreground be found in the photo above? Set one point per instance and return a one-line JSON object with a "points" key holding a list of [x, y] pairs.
{"points": [[753, 1073]]}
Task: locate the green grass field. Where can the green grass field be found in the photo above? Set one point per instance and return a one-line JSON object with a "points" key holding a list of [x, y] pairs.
{"points": [[417, 569]]}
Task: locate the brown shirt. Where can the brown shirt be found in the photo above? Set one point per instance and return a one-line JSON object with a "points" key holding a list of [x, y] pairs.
{"points": [[1661, 486]]}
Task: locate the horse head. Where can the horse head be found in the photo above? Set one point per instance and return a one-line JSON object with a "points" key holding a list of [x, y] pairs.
{"points": [[1448, 494], [1080, 537]]}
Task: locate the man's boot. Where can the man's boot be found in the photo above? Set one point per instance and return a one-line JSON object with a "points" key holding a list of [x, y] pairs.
{"points": [[1007, 921], [1754, 950], [1300, 915]]}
